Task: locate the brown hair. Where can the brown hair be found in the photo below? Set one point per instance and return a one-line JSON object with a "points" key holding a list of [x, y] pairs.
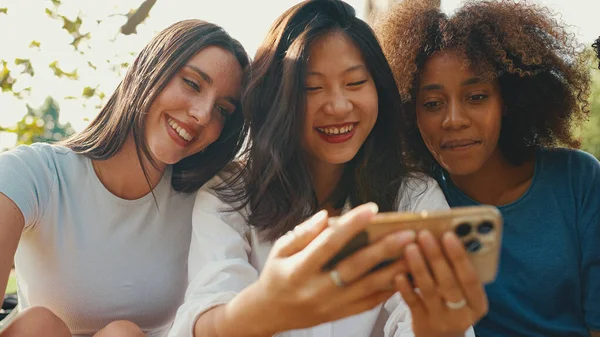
{"points": [[125, 112], [543, 80], [277, 184], [596, 47]]}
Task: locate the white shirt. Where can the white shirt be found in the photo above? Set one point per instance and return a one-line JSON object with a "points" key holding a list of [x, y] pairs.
{"points": [[226, 256], [90, 256]]}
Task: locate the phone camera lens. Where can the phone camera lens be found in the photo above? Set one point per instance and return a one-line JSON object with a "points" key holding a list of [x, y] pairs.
{"points": [[485, 227], [472, 246], [463, 229]]}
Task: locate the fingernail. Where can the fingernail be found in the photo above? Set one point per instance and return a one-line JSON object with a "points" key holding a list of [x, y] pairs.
{"points": [[449, 236], [320, 215], [373, 207], [411, 247], [316, 219], [405, 236], [426, 235]]}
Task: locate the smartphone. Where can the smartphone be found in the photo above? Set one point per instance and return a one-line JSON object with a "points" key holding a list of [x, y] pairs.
{"points": [[478, 227]]}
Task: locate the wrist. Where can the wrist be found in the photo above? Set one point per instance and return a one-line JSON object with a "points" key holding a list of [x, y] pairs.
{"points": [[249, 314]]}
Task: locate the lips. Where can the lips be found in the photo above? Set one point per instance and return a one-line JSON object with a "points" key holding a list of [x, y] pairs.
{"points": [[337, 133], [180, 132], [458, 144]]}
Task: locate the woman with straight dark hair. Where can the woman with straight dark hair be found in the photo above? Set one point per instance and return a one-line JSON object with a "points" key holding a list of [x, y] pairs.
{"points": [[99, 226], [494, 92], [325, 135]]}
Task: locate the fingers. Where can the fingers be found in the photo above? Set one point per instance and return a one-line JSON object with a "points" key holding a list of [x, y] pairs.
{"points": [[447, 285], [363, 304], [422, 278], [465, 273], [376, 281], [332, 239], [298, 238], [411, 298], [364, 260]]}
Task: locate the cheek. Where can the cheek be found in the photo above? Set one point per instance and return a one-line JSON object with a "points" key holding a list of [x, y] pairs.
{"points": [[425, 127]]}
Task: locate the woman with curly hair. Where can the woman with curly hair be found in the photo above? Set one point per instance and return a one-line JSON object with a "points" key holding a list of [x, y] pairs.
{"points": [[493, 91]]}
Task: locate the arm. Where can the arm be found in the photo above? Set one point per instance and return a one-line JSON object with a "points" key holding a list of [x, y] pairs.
{"points": [[25, 182], [227, 298], [11, 227], [218, 265], [588, 223]]}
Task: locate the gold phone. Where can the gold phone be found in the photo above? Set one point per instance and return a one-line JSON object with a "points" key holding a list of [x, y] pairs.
{"points": [[478, 227]]}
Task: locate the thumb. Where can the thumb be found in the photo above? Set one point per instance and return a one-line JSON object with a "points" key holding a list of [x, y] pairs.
{"points": [[298, 238]]}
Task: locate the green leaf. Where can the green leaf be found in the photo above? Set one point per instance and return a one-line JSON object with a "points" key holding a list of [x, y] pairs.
{"points": [[4, 10], [61, 73], [88, 92], [34, 43], [6, 80], [71, 26], [28, 67]]}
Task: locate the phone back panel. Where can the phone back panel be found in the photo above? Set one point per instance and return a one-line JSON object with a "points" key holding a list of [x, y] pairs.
{"points": [[478, 227]]}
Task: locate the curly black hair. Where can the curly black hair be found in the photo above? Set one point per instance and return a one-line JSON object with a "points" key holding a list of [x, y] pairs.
{"points": [[544, 81], [596, 47]]}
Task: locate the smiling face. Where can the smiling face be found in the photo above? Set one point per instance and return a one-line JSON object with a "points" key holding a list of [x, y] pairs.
{"points": [[190, 112], [459, 114], [341, 101]]}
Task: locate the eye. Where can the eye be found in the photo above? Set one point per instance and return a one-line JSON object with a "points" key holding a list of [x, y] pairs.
{"points": [[223, 112], [191, 84], [432, 104], [357, 83], [478, 97], [312, 88]]}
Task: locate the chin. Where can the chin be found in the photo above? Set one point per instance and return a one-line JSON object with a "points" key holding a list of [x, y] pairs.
{"points": [[461, 170], [338, 160]]}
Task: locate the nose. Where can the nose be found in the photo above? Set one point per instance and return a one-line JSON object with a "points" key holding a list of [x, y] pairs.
{"points": [[338, 104], [201, 110], [456, 117]]}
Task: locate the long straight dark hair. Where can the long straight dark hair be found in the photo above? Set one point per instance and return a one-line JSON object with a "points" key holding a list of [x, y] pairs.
{"points": [[124, 114], [274, 181]]}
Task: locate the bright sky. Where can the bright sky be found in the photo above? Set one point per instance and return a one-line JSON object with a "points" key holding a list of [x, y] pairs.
{"points": [[106, 48]]}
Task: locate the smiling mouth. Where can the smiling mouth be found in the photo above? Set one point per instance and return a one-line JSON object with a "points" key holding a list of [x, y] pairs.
{"points": [[184, 135], [336, 131]]}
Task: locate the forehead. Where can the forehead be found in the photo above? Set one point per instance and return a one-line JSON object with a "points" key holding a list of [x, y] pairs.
{"points": [[446, 65], [214, 60], [334, 50]]}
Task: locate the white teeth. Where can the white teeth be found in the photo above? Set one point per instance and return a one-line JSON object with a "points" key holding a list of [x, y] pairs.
{"points": [[337, 131], [180, 131]]}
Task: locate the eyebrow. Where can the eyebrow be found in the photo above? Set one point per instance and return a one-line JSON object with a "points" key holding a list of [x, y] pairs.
{"points": [[470, 81], [351, 69], [202, 74]]}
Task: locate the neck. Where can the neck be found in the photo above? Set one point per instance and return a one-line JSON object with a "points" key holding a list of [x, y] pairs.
{"points": [[498, 182], [325, 179], [123, 176]]}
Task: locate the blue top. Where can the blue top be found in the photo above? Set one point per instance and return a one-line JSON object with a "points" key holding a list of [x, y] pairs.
{"points": [[549, 278]]}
